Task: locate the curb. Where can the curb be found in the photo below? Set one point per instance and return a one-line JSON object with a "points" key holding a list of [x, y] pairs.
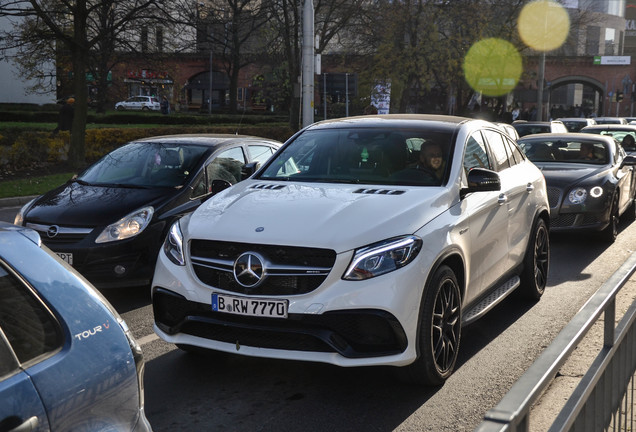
{"points": [[16, 201]]}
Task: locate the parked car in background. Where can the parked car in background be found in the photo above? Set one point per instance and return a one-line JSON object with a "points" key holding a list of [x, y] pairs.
{"points": [[510, 130], [68, 361], [590, 180], [610, 120], [625, 135], [110, 221], [575, 124], [524, 127], [364, 241], [139, 103]]}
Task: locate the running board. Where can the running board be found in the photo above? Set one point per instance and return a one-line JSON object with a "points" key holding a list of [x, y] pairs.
{"points": [[490, 301]]}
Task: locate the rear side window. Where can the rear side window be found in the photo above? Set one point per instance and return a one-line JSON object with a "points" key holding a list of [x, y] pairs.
{"points": [[28, 324], [495, 140]]}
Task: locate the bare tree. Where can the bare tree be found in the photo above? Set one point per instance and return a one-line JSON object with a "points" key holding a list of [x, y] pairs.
{"points": [[84, 33]]}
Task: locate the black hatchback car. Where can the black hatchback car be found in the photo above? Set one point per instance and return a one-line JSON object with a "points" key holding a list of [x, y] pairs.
{"points": [[109, 222]]}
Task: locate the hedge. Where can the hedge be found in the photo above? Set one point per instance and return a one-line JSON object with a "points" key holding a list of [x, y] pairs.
{"points": [[40, 148]]}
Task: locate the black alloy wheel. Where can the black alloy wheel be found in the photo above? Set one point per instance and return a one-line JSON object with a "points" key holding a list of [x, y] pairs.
{"points": [[536, 262], [439, 331], [610, 233]]}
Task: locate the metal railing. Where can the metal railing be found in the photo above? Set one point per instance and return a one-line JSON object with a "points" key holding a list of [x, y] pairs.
{"points": [[604, 397]]}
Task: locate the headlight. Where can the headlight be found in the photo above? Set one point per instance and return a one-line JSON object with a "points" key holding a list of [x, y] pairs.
{"points": [[578, 195], [19, 218], [173, 245], [596, 191], [383, 257], [128, 226]]}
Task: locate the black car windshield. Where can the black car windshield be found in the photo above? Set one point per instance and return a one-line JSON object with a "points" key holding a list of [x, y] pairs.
{"points": [[529, 129], [627, 138], [417, 157], [145, 164], [566, 151]]}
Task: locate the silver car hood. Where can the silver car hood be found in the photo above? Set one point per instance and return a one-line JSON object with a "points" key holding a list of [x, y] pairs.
{"points": [[338, 217]]}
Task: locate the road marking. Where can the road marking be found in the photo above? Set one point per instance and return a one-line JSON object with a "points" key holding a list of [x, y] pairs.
{"points": [[147, 339]]}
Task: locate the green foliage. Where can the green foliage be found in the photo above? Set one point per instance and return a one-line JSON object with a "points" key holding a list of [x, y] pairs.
{"points": [[32, 149], [32, 185]]}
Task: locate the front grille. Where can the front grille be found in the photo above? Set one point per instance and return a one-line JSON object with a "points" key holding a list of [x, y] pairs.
{"points": [[64, 235], [291, 270], [351, 333], [575, 220], [554, 196]]}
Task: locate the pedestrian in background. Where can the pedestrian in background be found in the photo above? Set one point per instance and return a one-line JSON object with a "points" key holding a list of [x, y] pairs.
{"points": [[65, 119]]}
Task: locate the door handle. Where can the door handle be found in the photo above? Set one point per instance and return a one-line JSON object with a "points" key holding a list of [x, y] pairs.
{"points": [[529, 187], [502, 199]]}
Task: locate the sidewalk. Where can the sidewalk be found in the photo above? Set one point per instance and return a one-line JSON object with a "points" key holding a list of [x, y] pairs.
{"points": [[15, 201]]}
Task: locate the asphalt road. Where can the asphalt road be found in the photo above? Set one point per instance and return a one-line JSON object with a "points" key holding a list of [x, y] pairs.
{"points": [[185, 392]]}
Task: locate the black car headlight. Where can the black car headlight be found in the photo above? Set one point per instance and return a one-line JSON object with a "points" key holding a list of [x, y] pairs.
{"points": [[128, 226], [383, 257], [578, 195], [19, 218], [173, 245]]}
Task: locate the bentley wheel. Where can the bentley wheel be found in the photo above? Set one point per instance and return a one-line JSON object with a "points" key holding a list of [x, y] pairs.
{"points": [[439, 331], [610, 233]]}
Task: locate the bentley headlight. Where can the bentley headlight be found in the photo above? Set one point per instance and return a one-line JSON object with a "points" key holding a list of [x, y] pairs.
{"points": [[578, 195], [173, 245], [383, 257], [596, 191], [127, 227]]}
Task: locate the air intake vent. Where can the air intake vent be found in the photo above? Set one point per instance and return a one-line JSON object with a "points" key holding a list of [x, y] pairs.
{"points": [[267, 186], [379, 191]]}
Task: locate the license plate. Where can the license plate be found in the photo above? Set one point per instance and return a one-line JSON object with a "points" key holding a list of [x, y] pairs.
{"points": [[68, 257], [249, 306]]}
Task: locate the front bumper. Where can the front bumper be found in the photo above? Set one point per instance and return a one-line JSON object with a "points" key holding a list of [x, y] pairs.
{"points": [[355, 333], [345, 323], [125, 263]]}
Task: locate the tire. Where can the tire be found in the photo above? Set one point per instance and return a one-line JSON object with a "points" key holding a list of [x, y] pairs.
{"points": [[121, 108], [536, 262], [145, 108], [439, 331], [630, 213], [610, 233]]}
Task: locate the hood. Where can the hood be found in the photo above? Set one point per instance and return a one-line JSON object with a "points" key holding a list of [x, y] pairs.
{"points": [[563, 174], [74, 204], [339, 217]]}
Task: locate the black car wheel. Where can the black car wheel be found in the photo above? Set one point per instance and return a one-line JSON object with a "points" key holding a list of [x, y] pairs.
{"points": [[610, 233], [121, 108], [145, 108], [439, 331], [631, 211], [536, 262]]}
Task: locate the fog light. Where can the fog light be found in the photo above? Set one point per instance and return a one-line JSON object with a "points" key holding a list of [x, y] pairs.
{"points": [[120, 270]]}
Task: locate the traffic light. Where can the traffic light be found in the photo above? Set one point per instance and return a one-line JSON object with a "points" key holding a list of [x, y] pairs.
{"points": [[619, 96]]}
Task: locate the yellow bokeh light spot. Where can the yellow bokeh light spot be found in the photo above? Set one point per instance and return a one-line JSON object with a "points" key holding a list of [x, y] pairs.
{"points": [[543, 25], [493, 67]]}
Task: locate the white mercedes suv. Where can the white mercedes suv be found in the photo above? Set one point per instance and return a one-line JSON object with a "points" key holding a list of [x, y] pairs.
{"points": [[362, 241]]}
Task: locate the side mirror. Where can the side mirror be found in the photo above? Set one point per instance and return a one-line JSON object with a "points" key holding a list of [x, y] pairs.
{"points": [[481, 180], [219, 185], [629, 160], [248, 169]]}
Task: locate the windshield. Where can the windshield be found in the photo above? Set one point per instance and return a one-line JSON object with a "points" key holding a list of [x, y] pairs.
{"points": [[372, 156], [529, 129], [627, 139], [145, 164], [575, 151]]}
